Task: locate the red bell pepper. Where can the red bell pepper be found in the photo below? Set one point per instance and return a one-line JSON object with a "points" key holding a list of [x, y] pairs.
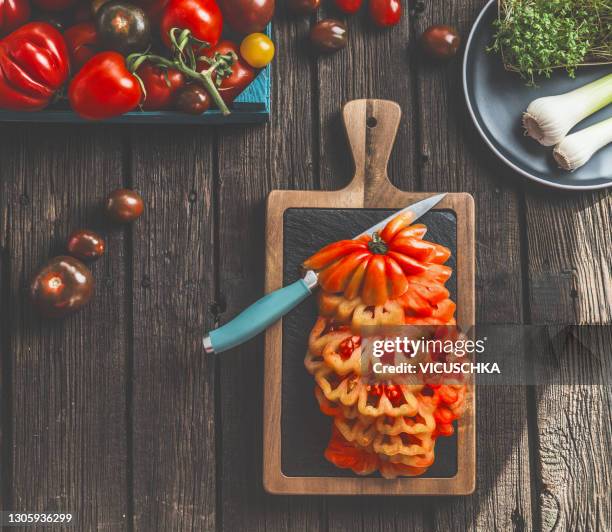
{"points": [[13, 13], [34, 64]]}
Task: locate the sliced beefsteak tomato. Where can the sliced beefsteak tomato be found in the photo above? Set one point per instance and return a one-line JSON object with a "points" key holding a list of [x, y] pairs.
{"points": [[202, 17], [385, 266], [13, 13], [104, 88], [34, 64]]}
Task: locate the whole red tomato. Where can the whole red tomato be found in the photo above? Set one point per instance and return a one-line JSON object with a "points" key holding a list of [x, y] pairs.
{"points": [[154, 9], [161, 86], [385, 12], [54, 5], [247, 16], [34, 64], [104, 88], [82, 43], [202, 17], [242, 73], [13, 13], [348, 6]]}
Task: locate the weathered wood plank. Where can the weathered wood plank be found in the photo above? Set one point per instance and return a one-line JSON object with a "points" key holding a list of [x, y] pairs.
{"points": [[173, 286], [253, 161], [68, 446], [375, 64], [453, 157], [570, 281]]}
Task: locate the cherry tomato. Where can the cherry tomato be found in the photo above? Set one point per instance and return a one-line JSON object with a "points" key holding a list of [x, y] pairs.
{"points": [[13, 14], [61, 287], [348, 6], [124, 205], [304, 7], [257, 50], [242, 73], [385, 12], [193, 100], [54, 5], [82, 43], [202, 17], [104, 88], [161, 86], [247, 16], [85, 244], [440, 42], [123, 27], [328, 35]]}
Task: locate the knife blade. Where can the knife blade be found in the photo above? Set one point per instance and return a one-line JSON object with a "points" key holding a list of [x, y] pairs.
{"points": [[273, 306]]}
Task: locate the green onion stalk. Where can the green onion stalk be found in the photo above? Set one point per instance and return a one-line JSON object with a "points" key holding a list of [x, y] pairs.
{"points": [[184, 60]]}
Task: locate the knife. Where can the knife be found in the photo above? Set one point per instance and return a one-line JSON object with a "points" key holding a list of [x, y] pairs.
{"points": [[273, 306]]}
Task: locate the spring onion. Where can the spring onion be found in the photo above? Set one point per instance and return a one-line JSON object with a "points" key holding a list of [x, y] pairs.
{"points": [[576, 149], [549, 119]]}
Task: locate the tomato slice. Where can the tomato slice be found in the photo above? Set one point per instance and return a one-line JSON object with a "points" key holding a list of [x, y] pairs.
{"points": [[408, 264], [396, 279], [332, 252], [375, 285], [395, 225], [335, 277], [413, 247], [353, 289]]}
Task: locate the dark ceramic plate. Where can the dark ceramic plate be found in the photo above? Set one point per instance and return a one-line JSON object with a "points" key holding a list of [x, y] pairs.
{"points": [[496, 100]]}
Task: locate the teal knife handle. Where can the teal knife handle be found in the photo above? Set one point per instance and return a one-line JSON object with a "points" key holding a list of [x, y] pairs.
{"points": [[259, 316]]}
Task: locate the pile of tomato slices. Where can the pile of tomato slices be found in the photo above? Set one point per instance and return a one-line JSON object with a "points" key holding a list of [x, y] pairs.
{"points": [[108, 58], [392, 278]]}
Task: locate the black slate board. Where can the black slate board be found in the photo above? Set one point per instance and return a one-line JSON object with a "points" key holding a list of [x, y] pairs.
{"points": [[305, 430]]}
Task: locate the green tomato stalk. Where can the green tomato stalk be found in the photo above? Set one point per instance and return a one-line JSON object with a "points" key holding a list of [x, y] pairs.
{"points": [[184, 60]]}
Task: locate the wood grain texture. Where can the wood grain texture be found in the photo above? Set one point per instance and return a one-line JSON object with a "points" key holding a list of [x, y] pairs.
{"points": [[570, 281], [453, 157], [371, 126], [68, 447], [252, 162], [173, 286]]}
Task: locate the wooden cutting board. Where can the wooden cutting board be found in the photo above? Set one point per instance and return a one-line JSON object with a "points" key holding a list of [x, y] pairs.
{"points": [[293, 430]]}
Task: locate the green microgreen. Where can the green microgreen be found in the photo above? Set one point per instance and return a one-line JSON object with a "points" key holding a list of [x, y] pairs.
{"points": [[536, 36]]}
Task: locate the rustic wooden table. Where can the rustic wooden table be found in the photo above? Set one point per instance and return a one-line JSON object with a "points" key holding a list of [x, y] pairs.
{"points": [[116, 415]]}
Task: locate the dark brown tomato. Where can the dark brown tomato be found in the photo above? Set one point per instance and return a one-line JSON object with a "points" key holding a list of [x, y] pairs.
{"points": [[440, 42], [123, 27], [304, 7], [61, 287], [328, 35], [85, 244], [247, 16], [193, 100], [124, 205]]}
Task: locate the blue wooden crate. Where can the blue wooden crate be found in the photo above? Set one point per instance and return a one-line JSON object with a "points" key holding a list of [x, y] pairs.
{"points": [[251, 107]]}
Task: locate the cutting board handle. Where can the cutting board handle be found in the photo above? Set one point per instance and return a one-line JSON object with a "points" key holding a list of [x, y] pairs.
{"points": [[371, 126]]}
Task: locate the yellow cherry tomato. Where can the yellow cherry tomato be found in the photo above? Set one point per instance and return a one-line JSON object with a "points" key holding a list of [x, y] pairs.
{"points": [[257, 50]]}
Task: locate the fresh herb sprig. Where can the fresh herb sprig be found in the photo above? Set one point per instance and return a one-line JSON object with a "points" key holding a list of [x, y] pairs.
{"points": [[536, 36]]}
